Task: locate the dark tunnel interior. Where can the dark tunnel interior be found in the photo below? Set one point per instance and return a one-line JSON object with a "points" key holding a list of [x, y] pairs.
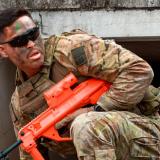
{"points": [[148, 50]]}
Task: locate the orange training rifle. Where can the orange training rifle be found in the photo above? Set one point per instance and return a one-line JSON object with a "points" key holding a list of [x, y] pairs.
{"points": [[62, 100]]}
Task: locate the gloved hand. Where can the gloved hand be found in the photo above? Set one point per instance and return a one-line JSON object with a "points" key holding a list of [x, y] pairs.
{"points": [[151, 101], [69, 118], [65, 149]]}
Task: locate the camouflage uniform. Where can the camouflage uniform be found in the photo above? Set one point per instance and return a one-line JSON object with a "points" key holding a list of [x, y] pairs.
{"points": [[124, 132], [89, 56], [27, 102], [117, 135]]}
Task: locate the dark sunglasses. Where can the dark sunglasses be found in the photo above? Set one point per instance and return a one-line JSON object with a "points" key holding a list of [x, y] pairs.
{"points": [[23, 39]]}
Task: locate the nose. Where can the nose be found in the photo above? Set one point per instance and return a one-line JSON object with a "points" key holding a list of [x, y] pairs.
{"points": [[30, 44]]}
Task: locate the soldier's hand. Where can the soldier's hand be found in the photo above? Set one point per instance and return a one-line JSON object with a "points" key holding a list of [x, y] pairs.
{"points": [[68, 119]]}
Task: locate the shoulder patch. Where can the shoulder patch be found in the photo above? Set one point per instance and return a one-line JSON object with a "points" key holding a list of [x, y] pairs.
{"points": [[79, 56]]}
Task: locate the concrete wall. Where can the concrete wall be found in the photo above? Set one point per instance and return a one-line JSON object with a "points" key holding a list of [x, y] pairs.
{"points": [[137, 24], [7, 136], [136, 19], [80, 4]]}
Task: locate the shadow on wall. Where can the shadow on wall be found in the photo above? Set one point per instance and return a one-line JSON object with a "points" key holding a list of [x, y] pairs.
{"points": [[7, 136]]}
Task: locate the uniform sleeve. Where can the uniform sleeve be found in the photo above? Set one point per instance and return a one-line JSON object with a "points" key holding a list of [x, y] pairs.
{"points": [[129, 74], [128, 88]]}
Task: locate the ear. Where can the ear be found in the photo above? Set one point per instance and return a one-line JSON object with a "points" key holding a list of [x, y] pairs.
{"points": [[2, 52]]}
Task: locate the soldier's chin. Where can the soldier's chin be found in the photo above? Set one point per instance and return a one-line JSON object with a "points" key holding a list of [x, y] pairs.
{"points": [[36, 66]]}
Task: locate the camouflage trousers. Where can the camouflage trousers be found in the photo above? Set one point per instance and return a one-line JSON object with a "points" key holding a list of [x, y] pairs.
{"points": [[116, 135]]}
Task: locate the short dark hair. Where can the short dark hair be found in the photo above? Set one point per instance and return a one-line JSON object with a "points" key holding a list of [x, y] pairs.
{"points": [[9, 15]]}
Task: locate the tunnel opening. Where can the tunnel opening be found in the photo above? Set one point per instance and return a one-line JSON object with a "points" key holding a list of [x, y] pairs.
{"points": [[148, 50]]}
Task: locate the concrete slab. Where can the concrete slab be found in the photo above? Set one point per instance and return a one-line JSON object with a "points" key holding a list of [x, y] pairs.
{"points": [[108, 24], [79, 4]]}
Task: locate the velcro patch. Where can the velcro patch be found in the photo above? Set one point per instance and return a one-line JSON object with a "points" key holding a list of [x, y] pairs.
{"points": [[79, 56]]}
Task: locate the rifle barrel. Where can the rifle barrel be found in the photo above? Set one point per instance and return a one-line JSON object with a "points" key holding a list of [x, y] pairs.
{"points": [[5, 152]]}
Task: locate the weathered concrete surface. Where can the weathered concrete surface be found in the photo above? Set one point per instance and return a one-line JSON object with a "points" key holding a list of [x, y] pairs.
{"points": [[80, 4], [108, 24], [134, 3], [7, 136]]}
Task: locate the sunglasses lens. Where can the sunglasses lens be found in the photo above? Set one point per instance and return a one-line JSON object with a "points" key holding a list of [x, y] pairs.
{"points": [[19, 41], [23, 39], [34, 34]]}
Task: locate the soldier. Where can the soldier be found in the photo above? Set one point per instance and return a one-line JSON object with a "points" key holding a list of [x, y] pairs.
{"points": [[120, 128]]}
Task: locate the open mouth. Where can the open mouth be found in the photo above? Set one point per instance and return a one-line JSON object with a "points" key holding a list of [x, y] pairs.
{"points": [[35, 55]]}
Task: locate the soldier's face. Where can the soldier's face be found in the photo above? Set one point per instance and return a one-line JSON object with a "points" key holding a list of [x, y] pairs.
{"points": [[24, 45]]}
